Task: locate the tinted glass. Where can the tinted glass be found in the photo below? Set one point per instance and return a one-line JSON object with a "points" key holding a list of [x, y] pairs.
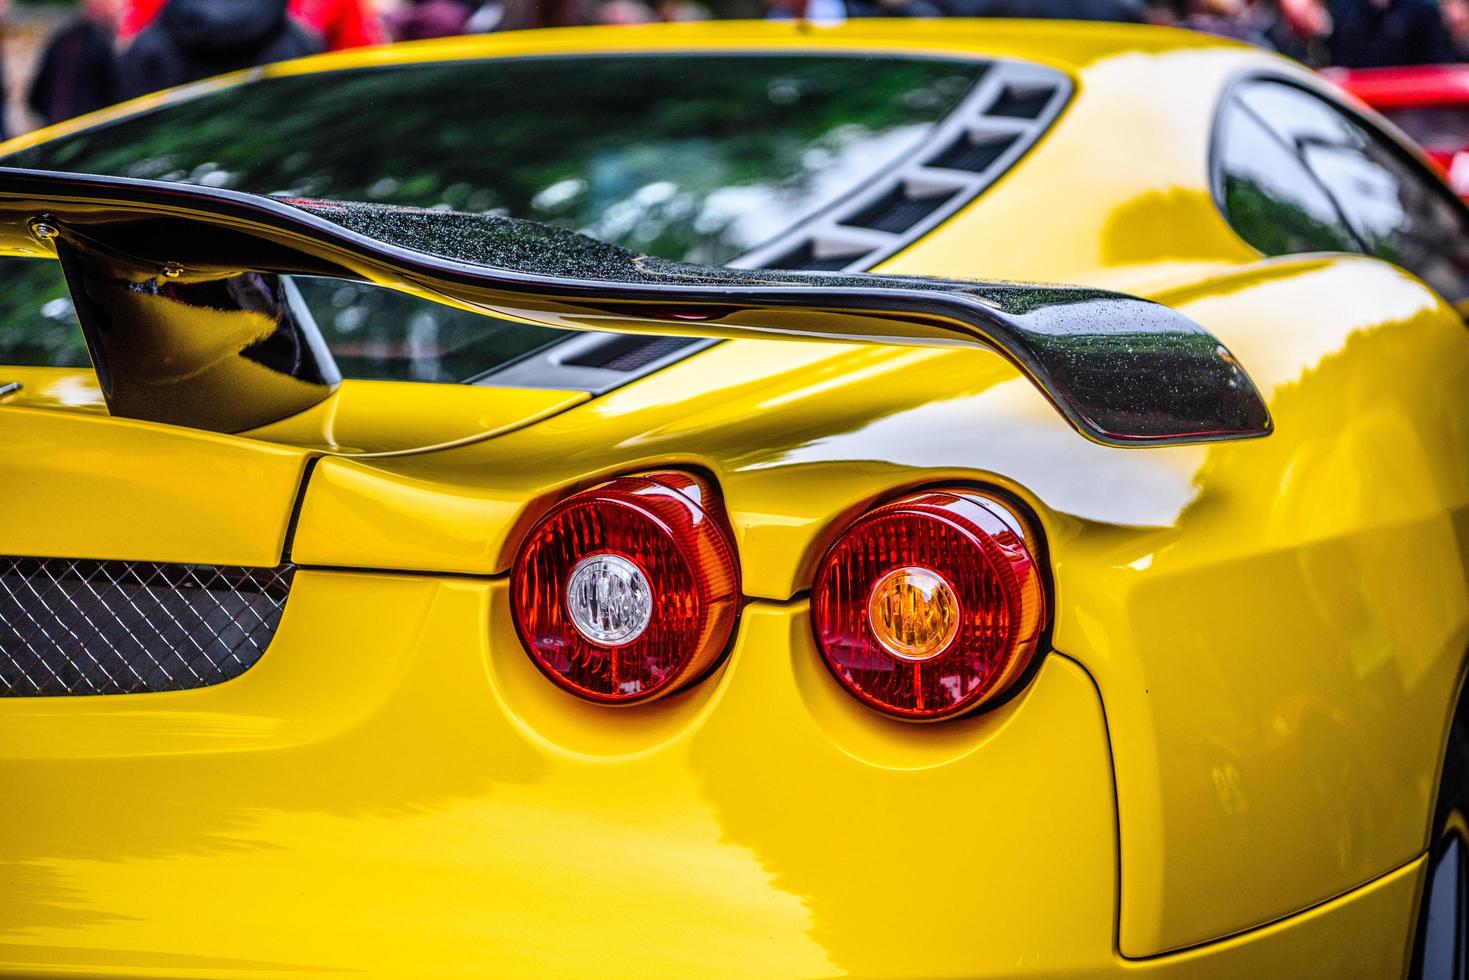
{"points": [[686, 157], [1394, 207], [381, 333], [1270, 198]]}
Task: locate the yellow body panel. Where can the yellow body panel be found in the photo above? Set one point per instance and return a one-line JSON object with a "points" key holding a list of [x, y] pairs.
{"points": [[1259, 644], [1169, 562], [69, 389], [454, 813], [360, 418], [366, 418], [168, 494]]}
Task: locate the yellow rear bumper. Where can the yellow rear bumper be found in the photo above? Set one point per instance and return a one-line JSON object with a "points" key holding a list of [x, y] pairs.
{"points": [[394, 790]]}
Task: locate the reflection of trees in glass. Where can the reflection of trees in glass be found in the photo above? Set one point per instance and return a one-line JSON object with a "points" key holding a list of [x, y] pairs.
{"points": [[1276, 226], [686, 157], [427, 341], [37, 322], [634, 147]]}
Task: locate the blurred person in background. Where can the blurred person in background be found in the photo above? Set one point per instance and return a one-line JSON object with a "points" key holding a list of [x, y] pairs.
{"points": [[341, 23], [835, 11], [194, 39], [678, 11], [508, 15], [615, 12], [1380, 33], [1298, 28], [1302, 30], [818, 11], [505, 15], [419, 20], [1227, 18], [894, 8], [1456, 19], [5, 129], [77, 71], [1124, 11]]}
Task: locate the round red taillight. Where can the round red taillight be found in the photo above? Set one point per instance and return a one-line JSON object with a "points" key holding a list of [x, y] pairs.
{"points": [[930, 606], [629, 590]]}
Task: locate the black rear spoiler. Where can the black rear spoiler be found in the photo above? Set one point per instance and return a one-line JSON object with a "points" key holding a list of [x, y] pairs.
{"points": [[188, 319]]}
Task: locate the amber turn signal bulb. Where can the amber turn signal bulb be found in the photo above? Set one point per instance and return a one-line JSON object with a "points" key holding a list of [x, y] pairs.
{"points": [[931, 606]]}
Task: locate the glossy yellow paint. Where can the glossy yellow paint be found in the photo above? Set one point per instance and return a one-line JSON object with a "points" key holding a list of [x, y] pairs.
{"points": [[1276, 629], [1169, 562], [168, 494], [393, 767], [367, 418], [361, 418], [445, 814], [66, 389]]}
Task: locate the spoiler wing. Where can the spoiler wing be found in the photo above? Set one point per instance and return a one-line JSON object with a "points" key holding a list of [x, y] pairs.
{"points": [[188, 318]]}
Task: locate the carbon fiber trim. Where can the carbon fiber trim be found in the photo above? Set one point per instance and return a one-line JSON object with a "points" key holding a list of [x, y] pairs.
{"points": [[72, 626]]}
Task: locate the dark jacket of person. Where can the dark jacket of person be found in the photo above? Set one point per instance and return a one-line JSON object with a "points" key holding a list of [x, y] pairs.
{"points": [[1399, 32], [77, 73], [194, 39], [1125, 11]]}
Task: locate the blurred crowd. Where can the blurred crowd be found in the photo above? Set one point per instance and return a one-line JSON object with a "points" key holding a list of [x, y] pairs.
{"points": [[117, 49]]}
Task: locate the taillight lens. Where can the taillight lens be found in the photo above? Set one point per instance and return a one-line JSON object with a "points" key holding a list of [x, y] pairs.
{"points": [[629, 590], [930, 606]]}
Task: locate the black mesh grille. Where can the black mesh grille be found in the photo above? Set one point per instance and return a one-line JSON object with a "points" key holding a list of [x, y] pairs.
{"points": [[70, 626]]}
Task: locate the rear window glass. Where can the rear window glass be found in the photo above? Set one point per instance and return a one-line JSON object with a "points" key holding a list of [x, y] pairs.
{"points": [[698, 158]]}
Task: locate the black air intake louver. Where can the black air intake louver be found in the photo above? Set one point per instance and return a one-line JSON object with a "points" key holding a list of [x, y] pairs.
{"points": [[1022, 103], [71, 626], [973, 154], [899, 210], [999, 119], [629, 352], [806, 258]]}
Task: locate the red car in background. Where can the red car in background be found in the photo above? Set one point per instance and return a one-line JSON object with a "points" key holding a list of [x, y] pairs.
{"points": [[1428, 102]]}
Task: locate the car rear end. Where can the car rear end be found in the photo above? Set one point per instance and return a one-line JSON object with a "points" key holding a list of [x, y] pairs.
{"points": [[732, 658]]}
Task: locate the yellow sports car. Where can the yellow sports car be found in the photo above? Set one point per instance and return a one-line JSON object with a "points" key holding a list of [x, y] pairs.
{"points": [[902, 499]]}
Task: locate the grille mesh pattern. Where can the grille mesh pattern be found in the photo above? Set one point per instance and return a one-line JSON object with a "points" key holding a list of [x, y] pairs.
{"points": [[70, 626]]}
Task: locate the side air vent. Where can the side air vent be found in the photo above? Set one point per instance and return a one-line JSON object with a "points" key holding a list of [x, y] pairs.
{"points": [[1008, 108], [592, 362], [628, 352], [972, 152], [69, 626], [1022, 102], [997, 122], [900, 209], [817, 256]]}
